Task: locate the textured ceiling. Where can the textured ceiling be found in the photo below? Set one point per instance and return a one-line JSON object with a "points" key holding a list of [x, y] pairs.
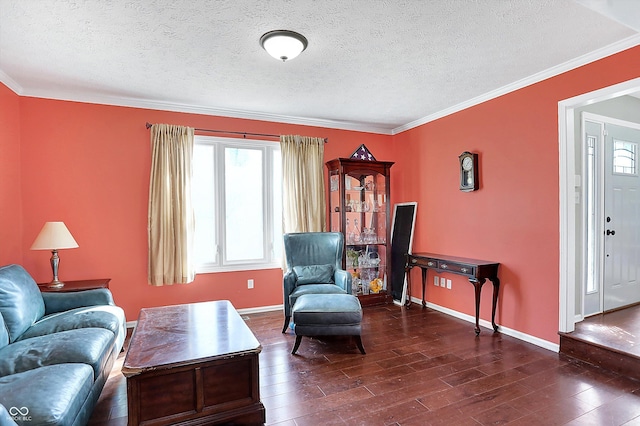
{"points": [[375, 65]]}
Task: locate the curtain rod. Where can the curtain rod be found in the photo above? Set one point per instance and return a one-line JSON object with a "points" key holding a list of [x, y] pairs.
{"points": [[244, 134]]}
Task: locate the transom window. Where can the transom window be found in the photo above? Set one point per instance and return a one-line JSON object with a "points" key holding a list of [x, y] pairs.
{"points": [[237, 200]]}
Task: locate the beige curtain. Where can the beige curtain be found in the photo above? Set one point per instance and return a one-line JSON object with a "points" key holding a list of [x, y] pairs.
{"points": [[303, 198], [171, 219]]}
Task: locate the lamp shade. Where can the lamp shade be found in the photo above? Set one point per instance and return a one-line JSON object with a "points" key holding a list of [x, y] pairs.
{"points": [[283, 44], [54, 236]]}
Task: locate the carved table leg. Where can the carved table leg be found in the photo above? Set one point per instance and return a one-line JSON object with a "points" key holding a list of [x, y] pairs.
{"points": [[407, 271], [478, 287], [424, 280], [496, 288]]}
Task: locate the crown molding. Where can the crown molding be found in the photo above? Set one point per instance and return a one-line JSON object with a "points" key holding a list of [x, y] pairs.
{"points": [[609, 50], [10, 83], [195, 109], [331, 124]]}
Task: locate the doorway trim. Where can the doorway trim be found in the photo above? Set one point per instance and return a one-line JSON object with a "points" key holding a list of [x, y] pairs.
{"points": [[569, 185]]}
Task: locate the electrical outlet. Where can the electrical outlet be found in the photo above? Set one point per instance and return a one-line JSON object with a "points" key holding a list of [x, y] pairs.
{"points": [[442, 282], [249, 283], [436, 280], [449, 284]]}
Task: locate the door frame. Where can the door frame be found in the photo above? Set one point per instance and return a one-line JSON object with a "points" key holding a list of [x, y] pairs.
{"points": [[570, 279], [601, 195]]}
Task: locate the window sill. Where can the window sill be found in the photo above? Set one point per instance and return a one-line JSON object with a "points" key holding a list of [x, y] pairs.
{"points": [[212, 269]]}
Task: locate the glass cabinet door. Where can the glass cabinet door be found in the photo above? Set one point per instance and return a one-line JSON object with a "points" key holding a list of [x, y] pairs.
{"points": [[359, 208]]}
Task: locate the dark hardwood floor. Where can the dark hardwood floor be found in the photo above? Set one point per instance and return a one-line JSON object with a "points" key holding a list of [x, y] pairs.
{"points": [[422, 367], [618, 330], [610, 341]]}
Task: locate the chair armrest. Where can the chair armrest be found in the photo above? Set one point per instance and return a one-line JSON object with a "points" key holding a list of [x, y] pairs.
{"points": [[343, 280], [289, 284], [59, 302]]}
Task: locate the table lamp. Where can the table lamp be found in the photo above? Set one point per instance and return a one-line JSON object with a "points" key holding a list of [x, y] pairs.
{"points": [[54, 236]]}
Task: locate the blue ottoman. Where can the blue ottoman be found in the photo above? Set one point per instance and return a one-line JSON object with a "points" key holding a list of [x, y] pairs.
{"points": [[327, 315]]}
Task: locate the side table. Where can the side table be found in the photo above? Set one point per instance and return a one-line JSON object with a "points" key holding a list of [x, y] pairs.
{"points": [[477, 271], [77, 285]]}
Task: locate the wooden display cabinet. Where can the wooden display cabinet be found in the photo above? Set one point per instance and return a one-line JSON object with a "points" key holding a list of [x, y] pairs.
{"points": [[359, 207]]}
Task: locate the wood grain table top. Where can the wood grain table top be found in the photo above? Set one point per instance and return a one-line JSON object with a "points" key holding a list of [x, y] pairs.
{"points": [[178, 335]]}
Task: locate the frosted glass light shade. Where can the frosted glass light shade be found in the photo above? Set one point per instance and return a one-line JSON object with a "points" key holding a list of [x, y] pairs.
{"points": [[54, 236], [283, 45]]}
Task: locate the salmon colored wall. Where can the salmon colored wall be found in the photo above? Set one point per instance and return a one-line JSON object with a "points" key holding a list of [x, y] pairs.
{"points": [[88, 165], [514, 217], [10, 194]]}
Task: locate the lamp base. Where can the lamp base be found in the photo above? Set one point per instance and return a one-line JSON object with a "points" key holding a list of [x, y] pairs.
{"points": [[55, 284], [55, 262]]}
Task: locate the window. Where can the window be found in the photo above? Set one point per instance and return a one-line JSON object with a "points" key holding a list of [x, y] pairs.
{"points": [[592, 229], [238, 204], [624, 157]]}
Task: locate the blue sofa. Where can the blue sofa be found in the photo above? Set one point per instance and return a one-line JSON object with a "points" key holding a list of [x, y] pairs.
{"points": [[56, 350]]}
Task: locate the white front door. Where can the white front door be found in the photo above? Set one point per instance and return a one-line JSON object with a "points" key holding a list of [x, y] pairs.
{"points": [[621, 217]]}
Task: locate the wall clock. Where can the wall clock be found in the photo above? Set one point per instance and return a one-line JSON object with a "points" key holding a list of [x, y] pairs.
{"points": [[468, 171]]}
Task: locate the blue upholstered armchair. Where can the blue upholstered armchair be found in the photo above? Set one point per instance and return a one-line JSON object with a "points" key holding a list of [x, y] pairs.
{"points": [[314, 266]]}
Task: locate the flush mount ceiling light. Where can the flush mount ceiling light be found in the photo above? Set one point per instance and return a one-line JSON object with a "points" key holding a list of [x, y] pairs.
{"points": [[283, 44]]}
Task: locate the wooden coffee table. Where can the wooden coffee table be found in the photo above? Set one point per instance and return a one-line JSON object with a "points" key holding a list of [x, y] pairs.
{"points": [[193, 364]]}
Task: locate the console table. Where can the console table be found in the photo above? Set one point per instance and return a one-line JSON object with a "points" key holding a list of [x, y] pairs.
{"points": [[477, 271]]}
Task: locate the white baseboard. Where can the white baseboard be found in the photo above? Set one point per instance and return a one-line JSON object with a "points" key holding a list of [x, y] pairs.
{"points": [[469, 318], [260, 309], [504, 330]]}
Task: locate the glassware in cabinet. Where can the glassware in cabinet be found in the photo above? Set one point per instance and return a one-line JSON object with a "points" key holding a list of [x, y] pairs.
{"points": [[359, 208]]}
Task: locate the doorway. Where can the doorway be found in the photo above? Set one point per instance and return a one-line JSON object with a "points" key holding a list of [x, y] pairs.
{"points": [[570, 188], [611, 204]]}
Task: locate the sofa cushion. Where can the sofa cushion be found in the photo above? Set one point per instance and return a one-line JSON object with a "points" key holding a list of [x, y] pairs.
{"points": [[50, 395], [92, 346], [103, 316], [314, 289], [314, 274], [63, 301], [21, 303], [327, 310], [4, 334], [5, 418]]}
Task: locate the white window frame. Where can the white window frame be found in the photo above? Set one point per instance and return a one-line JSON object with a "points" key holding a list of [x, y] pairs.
{"points": [[633, 158], [269, 149]]}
